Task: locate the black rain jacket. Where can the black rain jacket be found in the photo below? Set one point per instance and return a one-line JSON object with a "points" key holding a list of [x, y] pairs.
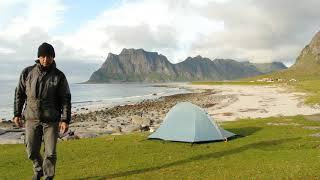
{"points": [[45, 94]]}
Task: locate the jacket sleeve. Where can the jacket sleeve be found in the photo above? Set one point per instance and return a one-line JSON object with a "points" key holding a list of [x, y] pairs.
{"points": [[64, 96], [20, 94]]}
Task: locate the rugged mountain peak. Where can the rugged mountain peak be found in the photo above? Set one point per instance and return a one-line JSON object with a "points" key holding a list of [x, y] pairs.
{"points": [[138, 65], [310, 55], [110, 55], [132, 51], [315, 44], [198, 59]]}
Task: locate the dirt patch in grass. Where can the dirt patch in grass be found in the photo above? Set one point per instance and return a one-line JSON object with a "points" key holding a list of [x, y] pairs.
{"points": [[315, 117]]}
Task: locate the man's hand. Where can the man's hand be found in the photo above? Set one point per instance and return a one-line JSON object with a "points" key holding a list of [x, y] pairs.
{"points": [[63, 127], [18, 121]]}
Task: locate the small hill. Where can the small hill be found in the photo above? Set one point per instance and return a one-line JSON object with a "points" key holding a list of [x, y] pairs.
{"points": [[269, 67]]}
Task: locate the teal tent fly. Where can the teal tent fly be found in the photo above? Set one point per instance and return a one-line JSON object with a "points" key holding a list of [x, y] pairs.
{"points": [[187, 122]]}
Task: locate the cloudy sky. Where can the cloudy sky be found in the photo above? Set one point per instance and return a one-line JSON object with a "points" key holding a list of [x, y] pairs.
{"points": [[83, 32]]}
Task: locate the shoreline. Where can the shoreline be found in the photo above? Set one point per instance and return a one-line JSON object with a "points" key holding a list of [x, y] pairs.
{"points": [[83, 107], [98, 96], [222, 102], [144, 115]]}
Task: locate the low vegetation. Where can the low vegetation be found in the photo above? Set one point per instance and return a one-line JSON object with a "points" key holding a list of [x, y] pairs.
{"points": [[312, 88], [271, 148]]}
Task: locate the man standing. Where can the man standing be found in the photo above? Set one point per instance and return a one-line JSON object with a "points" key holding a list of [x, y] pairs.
{"points": [[44, 93]]}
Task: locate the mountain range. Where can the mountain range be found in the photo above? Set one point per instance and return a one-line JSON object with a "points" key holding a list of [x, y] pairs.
{"points": [[138, 65]]}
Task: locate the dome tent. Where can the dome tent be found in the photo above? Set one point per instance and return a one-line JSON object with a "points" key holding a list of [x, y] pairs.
{"points": [[187, 122]]}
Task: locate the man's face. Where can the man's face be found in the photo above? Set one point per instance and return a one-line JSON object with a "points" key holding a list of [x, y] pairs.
{"points": [[45, 61]]}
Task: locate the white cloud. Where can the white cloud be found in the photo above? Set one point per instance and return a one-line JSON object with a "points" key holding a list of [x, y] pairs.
{"points": [[255, 30], [24, 25], [27, 15], [260, 31], [168, 27], [4, 50]]}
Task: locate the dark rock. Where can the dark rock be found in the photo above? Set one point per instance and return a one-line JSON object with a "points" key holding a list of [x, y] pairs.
{"points": [[118, 129], [137, 65], [144, 128], [2, 131]]}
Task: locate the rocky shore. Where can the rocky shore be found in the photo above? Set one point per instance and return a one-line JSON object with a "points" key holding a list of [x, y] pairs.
{"points": [[142, 116], [145, 115], [9, 134]]}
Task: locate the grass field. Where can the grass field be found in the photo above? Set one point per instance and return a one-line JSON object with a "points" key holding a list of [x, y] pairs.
{"points": [[312, 88], [263, 151]]}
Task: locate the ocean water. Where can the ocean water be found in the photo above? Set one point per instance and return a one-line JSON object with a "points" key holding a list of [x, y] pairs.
{"points": [[93, 95]]}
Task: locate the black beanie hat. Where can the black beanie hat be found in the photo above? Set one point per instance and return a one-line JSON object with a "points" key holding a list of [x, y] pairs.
{"points": [[46, 49]]}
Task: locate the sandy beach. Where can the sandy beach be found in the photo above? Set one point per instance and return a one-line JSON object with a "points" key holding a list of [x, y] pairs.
{"points": [[256, 102], [223, 103]]}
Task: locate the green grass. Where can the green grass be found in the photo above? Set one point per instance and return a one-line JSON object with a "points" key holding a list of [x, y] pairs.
{"points": [[312, 88], [263, 152]]}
